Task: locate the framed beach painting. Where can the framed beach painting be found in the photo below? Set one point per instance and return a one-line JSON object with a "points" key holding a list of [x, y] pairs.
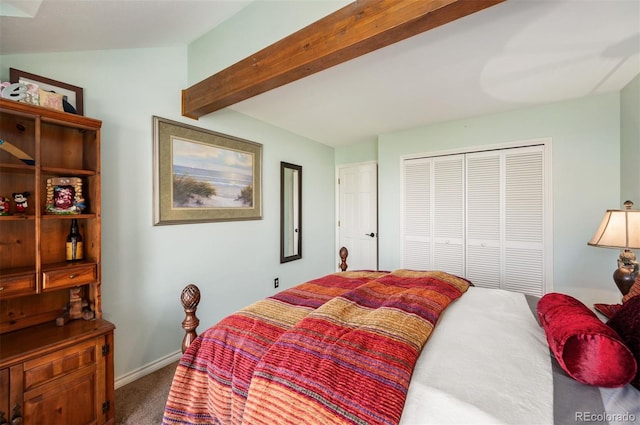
{"points": [[202, 176]]}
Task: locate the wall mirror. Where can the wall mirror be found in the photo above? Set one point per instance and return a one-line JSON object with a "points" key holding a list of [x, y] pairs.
{"points": [[290, 212]]}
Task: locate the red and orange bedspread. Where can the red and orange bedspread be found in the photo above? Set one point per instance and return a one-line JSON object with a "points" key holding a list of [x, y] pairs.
{"points": [[338, 349]]}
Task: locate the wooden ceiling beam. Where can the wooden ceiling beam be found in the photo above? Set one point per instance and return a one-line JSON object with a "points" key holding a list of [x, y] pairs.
{"points": [[358, 28]]}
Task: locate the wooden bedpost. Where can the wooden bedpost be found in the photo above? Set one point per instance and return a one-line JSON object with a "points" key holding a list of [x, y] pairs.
{"points": [[344, 253], [190, 298]]}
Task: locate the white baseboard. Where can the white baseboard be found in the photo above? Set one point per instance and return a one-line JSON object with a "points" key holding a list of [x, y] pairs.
{"points": [[147, 369]]}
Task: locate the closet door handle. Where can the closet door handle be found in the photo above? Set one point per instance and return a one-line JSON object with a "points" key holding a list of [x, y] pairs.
{"points": [[370, 234]]}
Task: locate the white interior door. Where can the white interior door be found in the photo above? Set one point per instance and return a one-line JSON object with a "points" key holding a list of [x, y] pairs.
{"points": [[358, 215]]}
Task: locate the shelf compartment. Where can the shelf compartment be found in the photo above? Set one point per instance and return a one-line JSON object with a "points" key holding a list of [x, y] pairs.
{"points": [[19, 135], [64, 147], [17, 243], [19, 179], [54, 230], [23, 312]]}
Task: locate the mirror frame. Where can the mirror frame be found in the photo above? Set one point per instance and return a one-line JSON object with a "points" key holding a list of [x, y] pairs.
{"points": [[284, 166]]}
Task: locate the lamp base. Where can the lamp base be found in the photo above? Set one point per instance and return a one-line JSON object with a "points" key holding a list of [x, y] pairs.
{"points": [[624, 278]]}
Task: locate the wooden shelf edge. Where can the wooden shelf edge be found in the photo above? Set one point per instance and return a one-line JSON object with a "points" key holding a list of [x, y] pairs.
{"points": [[17, 217], [18, 271], [67, 265], [18, 167], [75, 172], [46, 216], [50, 115]]}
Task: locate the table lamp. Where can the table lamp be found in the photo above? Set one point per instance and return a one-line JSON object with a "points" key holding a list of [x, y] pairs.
{"points": [[621, 229]]}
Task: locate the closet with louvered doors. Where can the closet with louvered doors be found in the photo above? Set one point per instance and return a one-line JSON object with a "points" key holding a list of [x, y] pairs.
{"points": [[483, 215]]}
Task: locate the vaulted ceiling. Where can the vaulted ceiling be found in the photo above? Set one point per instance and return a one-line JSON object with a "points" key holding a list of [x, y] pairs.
{"points": [[515, 54]]}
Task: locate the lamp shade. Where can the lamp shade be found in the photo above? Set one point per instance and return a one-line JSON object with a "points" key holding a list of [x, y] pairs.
{"points": [[618, 229]]}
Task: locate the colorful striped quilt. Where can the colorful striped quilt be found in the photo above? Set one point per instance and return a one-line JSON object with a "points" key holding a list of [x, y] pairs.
{"points": [[339, 349]]}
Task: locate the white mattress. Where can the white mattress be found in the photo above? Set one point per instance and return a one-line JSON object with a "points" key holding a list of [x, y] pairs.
{"points": [[487, 362]]}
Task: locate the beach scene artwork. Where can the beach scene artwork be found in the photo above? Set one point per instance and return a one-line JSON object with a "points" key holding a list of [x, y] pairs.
{"points": [[206, 176]]}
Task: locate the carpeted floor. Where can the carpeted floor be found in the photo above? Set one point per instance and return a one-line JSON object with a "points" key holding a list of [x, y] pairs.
{"points": [[142, 402]]}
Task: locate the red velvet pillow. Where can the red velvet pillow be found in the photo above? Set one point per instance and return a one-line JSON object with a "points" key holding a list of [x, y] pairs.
{"points": [[626, 322], [585, 347]]}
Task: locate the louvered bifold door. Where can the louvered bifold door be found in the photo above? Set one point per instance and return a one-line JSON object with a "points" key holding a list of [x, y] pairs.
{"points": [[433, 214], [448, 214], [484, 261], [479, 215], [416, 220], [524, 220]]}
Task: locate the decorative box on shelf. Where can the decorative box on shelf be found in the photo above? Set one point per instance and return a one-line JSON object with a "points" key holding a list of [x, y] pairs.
{"points": [[64, 196]]}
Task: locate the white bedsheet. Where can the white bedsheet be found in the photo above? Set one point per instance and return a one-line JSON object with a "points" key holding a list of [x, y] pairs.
{"points": [[487, 362]]}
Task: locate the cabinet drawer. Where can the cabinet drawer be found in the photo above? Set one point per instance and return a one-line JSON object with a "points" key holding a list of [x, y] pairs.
{"points": [[17, 285], [68, 277], [56, 365]]}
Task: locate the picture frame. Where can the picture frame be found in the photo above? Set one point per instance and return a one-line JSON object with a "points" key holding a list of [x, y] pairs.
{"points": [[73, 95], [204, 176], [64, 196]]}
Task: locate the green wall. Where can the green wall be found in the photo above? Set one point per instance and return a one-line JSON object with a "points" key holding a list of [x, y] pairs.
{"points": [[585, 154], [361, 152], [630, 142]]}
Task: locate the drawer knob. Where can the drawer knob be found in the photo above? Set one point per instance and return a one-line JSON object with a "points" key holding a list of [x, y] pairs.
{"points": [[1, 288], [72, 276]]}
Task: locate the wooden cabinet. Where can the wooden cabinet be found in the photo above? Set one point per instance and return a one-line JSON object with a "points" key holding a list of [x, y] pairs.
{"points": [[58, 375], [51, 374]]}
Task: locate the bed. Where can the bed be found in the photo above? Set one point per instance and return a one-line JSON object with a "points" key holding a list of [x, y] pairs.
{"points": [[402, 347]]}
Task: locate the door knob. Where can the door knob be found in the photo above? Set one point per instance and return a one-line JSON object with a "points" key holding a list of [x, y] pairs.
{"points": [[370, 234]]}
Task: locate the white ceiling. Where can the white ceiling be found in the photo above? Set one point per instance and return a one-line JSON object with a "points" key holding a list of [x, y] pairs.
{"points": [[516, 54], [36, 26]]}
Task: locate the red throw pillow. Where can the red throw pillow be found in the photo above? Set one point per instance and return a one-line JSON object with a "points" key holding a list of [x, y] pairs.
{"points": [[626, 322], [607, 309], [586, 348], [634, 291]]}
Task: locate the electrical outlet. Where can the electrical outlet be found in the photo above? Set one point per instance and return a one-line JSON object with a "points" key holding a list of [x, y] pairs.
{"points": [[276, 282]]}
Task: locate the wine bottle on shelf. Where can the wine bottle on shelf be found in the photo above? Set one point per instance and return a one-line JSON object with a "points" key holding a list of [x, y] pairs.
{"points": [[74, 242]]}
